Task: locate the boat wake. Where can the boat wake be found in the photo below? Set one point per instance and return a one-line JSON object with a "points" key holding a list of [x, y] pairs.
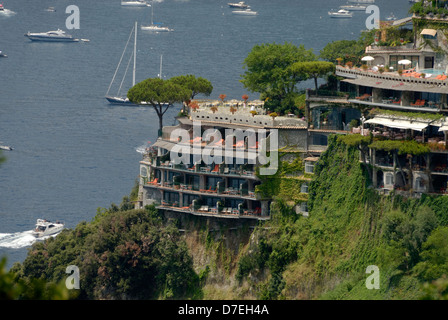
{"points": [[19, 240], [7, 12]]}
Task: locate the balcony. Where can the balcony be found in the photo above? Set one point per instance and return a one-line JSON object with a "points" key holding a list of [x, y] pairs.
{"points": [[217, 212]]}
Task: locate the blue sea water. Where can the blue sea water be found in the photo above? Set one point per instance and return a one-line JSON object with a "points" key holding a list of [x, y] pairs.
{"points": [[73, 152]]}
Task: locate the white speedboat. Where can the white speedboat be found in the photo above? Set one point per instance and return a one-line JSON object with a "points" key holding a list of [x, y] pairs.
{"points": [[340, 14], [354, 7], [135, 3], [51, 36], [240, 5], [6, 148], [1, 7], [2, 55], [391, 17], [47, 228], [247, 12], [50, 9]]}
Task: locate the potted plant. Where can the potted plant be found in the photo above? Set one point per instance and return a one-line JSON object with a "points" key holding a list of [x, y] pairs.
{"points": [[273, 115], [222, 97], [214, 109], [233, 109], [254, 113], [364, 67], [245, 97], [194, 105]]}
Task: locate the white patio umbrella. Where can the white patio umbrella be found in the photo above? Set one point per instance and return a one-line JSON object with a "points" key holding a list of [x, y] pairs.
{"points": [[367, 58], [405, 62]]}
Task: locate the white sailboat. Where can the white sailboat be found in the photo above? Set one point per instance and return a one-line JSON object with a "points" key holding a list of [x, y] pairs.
{"points": [[119, 99], [155, 27]]}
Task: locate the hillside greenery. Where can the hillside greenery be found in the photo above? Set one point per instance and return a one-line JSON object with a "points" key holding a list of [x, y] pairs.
{"points": [[122, 254], [350, 226]]}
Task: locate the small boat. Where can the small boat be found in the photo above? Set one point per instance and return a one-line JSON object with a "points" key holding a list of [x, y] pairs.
{"points": [[247, 12], [240, 5], [6, 148], [155, 27], [354, 7], [340, 14], [1, 7], [135, 3], [391, 17], [47, 228], [2, 55], [51, 36], [50, 9]]}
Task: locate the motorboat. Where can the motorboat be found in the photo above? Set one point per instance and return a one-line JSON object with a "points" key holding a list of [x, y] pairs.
{"points": [[135, 3], [240, 5], [1, 7], [391, 17], [47, 228], [247, 12], [353, 7], [155, 27], [2, 55], [6, 148], [51, 36], [340, 14], [50, 9]]}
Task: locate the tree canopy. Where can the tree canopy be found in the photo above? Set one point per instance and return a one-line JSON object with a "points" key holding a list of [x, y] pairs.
{"points": [[313, 69], [269, 71], [160, 94], [196, 85]]}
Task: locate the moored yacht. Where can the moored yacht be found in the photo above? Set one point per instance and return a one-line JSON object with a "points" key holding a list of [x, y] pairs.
{"points": [[240, 5], [47, 228], [353, 7], [51, 36], [340, 14], [247, 12]]}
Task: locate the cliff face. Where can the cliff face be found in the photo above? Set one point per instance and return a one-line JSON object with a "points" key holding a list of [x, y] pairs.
{"points": [[326, 255]]}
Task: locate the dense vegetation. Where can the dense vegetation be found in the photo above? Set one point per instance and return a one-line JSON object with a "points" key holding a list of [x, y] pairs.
{"points": [[122, 254], [349, 228]]}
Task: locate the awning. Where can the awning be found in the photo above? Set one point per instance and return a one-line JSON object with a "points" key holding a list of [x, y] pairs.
{"points": [[399, 123], [443, 128], [397, 85], [428, 32], [312, 159], [204, 151]]}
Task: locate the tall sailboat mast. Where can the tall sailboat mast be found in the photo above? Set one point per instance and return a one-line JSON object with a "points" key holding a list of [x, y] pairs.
{"points": [[160, 72], [135, 54]]}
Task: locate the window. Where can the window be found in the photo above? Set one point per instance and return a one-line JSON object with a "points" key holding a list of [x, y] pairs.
{"points": [[304, 188], [389, 179], [304, 207], [320, 139], [309, 167], [143, 171]]}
